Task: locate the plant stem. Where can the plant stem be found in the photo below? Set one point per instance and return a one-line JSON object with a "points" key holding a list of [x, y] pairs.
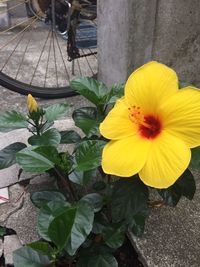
{"points": [[66, 183]]}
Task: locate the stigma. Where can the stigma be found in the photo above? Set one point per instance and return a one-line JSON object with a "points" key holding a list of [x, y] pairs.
{"points": [[149, 125]]}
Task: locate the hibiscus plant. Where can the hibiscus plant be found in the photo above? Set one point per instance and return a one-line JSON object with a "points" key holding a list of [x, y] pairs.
{"points": [[133, 139]]}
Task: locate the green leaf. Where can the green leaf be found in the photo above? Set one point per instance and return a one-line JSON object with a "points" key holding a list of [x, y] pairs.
{"points": [[49, 152], [129, 197], [137, 223], [104, 260], [32, 161], [43, 197], [187, 184], [88, 155], [95, 200], [114, 235], [46, 215], [82, 226], [100, 223], [11, 120], [99, 186], [49, 138], [60, 228], [91, 89], [56, 111], [69, 137], [27, 257], [8, 154], [2, 231], [87, 120], [184, 186], [66, 162], [41, 247], [46, 126], [117, 91], [195, 161], [82, 178]]}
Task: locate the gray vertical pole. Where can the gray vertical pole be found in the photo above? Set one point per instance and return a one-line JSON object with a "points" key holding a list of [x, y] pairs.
{"points": [[125, 37]]}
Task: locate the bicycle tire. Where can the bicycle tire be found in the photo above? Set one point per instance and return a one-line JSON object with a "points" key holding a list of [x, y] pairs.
{"points": [[50, 91], [25, 89]]}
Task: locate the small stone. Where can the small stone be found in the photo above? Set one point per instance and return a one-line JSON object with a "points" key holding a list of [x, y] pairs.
{"points": [[10, 244]]}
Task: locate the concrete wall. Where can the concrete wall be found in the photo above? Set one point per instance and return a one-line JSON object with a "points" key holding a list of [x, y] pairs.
{"points": [[132, 32]]}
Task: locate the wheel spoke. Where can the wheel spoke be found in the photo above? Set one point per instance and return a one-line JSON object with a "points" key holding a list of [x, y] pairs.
{"points": [[32, 44]]}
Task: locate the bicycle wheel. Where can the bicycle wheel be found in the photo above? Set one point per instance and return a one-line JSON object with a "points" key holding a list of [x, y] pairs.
{"points": [[34, 53]]}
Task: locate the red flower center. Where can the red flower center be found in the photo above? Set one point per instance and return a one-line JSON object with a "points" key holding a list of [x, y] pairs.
{"points": [[151, 127]]}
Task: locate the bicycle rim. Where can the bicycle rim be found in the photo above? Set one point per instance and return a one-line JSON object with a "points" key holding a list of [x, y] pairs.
{"points": [[33, 54]]}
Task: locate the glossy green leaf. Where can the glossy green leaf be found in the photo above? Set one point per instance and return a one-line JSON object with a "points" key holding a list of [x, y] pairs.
{"points": [[11, 120], [41, 247], [95, 200], [187, 184], [46, 126], [91, 89], [8, 154], [88, 155], [82, 226], [87, 120], [49, 152], [69, 137], [32, 161], [184, 186], [114, 235], [27, 257], [49, 138], [43, 197], [116, 92], [137, 223], [100, 223], [56, 111], [129, 197], [99, 186], [46, 215], [82, 178], [195, 160], [103, 260], [66, 162], [60, 228]]}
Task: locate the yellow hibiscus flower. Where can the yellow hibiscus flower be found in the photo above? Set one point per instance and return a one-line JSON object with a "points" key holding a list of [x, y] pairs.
{"points": [[32, 104], [152, 127]]}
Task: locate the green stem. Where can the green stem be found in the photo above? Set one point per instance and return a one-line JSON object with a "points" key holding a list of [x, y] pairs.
{"points": [[31, 131]]}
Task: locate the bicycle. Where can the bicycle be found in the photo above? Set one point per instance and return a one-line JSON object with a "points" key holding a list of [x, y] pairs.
{"points": [[52, 44]]}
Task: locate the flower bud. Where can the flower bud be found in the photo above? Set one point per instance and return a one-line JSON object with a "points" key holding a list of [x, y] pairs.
{"points": [[32, 104]]}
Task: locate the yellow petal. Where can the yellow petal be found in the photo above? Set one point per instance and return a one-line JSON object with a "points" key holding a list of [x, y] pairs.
{"points": [[125, 157], [31, 103], [168, 158], [181, 116], [150, 85], [117, 124]]}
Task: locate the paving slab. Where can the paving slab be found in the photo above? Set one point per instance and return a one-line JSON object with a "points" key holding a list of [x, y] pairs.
{"points": [[14, 204], [11, 243], [172, 236]]}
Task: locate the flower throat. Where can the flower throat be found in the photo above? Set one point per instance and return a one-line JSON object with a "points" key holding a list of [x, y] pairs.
{"points": [[149, 125]]}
